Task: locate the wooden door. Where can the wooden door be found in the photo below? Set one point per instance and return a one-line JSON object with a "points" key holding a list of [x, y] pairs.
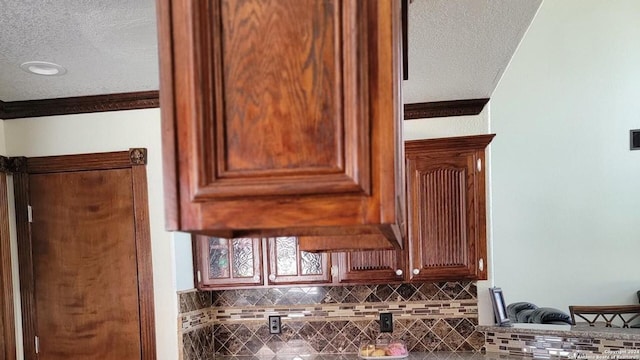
{"points": [[7, 325], [446, 199], [87, 280]]}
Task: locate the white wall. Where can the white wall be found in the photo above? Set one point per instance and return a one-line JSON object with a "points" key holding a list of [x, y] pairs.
{"points": [[3, 148], [114, 131], [565, 185], [184, 261], [447, 126]]}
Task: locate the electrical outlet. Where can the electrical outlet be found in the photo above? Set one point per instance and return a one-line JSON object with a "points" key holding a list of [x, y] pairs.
{"points": [[274, 324], [386, 322]]}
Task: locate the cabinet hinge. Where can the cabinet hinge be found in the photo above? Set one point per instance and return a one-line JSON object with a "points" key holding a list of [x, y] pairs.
{"points": [[37, 345], [199, 276], [29, 213]]}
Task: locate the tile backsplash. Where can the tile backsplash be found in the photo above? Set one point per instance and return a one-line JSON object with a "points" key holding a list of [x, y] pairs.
{"points": [[556, 346], [328, 319]]}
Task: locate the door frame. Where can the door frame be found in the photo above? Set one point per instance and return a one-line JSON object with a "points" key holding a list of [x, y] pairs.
{"points": [[7, 316], [134, 159]]}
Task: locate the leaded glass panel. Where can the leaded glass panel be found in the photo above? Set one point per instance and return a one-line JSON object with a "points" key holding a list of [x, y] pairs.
{"points": [[286, 254], [218, 258], [243, 257], [310, 263]]}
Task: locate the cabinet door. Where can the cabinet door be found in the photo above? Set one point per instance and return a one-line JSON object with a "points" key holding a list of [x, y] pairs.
{"points": [[446, 197], [268, 104], [228, 262], [371, 266], [289, 265]]}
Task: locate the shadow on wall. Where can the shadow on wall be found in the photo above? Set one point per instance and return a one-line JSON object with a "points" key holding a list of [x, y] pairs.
{"points": [[525, 312]]}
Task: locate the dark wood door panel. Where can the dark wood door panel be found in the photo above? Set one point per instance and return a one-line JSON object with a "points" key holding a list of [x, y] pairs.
{"points": [[7, 325], [258, 97], [86, 281], [84, 258], [283, 117]]}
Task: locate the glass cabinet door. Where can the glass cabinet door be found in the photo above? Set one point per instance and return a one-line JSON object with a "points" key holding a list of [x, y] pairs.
{"points": [[289, 265], [228, 262]]}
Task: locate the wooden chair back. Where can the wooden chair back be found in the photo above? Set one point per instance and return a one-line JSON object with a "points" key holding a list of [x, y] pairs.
{"points": [[626, 314]]}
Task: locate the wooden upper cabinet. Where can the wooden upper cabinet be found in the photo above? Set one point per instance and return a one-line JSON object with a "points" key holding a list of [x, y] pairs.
{"points": [[289, 265], [447, 208], [371, 266], [282, 117], [222, 263]]}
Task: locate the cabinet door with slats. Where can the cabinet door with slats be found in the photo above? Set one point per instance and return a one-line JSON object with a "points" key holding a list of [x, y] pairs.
{"points": [[370, 266], [446, 206]]}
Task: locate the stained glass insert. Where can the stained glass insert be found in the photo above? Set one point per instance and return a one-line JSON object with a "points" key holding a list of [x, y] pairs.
{"points": [[218, 258], [243, 257], [286, 254], [310, 263]]}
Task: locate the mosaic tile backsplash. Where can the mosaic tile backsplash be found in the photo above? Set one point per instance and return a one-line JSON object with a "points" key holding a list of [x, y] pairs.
{"points": [[332, 319], [552, 346]]}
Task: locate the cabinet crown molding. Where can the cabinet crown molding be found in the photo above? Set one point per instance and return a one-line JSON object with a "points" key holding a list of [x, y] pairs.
{"points": [[450, 143]]}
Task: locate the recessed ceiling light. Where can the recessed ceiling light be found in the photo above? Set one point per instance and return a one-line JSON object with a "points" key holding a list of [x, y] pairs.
{"points": [[43, 68]]}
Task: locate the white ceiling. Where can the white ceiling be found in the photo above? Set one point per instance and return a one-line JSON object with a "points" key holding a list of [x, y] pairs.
{"points": [[107, 46], [458, 49]]}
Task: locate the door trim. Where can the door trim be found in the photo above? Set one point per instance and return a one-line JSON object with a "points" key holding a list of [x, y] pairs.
{"points": [[7, 319], [135, 159]]}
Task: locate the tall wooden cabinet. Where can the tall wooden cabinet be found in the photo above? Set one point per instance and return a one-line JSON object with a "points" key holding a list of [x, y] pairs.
{"points": [[282, 117], [447, 208]]}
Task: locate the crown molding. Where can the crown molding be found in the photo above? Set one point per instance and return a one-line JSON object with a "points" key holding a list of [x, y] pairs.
{"points": [[150, 99], [78, 105], [444, 108]]}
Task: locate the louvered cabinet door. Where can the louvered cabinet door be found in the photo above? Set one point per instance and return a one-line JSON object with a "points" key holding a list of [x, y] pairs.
{"points": [[446, 199], [371, 266]]}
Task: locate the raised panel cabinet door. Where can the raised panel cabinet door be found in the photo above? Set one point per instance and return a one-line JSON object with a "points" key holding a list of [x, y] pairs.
{"points": [[282, 117], [225, 262], [289, 265], [371, 266], [446, 199]]}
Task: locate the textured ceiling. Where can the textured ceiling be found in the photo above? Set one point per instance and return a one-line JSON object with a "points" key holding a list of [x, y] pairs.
{"points": [[458, 49], [107, 46]]}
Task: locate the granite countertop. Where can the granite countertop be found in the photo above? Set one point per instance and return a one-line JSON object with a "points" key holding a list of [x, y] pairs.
{"points": [[440, 355], [583, 331]]}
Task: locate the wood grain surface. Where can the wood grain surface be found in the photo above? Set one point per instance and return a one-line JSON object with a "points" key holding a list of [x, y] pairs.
{"points": [[84, 257], [285, 107]]}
